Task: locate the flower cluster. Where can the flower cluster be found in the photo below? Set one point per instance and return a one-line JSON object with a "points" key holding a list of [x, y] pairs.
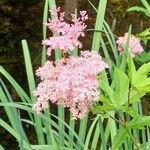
{"points": [[135, 47], [73, 85], [68, 34]]}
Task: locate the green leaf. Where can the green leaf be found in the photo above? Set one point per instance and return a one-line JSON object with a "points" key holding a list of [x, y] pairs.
{"points": [[139, 122], [131, 69], [138, 9], [99, 25], [90, 131], [147, 6], [31, 84], [119, 139], [143, 57], [130, 111], [1, 147], [14, 133], [145, 33], [49, 147], [145, 36], [145, 10], [144, 69], [120, 86], [98, 109], [135, 95], [141, 81], [106, 89], [29, 69], [45, 16]]}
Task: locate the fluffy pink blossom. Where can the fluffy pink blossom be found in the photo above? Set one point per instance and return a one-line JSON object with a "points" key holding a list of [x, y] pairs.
{"points": [[68, 34], [73, 85], [135, 47]]}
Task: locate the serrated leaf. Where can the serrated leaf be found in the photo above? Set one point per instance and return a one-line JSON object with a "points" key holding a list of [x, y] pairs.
{"points": [[119, 139], [131, 69], [144, 33], [106, 89], [131, 112], [143, 58], [144, 69], [140, 80], [120, 86], [143, 81], [145, 88], [139, 122], [106, 106], [145, 36], [96, 109], [135, 95]]}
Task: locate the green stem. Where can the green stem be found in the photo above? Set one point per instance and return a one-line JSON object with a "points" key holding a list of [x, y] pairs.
{"points": [[125, 124]]}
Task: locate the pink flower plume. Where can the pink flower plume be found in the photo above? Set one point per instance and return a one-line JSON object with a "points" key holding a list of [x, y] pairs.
{"points": [[73, 85], [68, 34]]}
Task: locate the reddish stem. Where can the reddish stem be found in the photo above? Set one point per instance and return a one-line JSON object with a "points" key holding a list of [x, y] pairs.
{"points": [[64, 56]]}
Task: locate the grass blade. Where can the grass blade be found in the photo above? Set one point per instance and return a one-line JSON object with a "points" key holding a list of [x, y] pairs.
{"points": [[99, 25], [18, 88], [107, 134], [102, 134], [1, 147], [31, 84], [95, 137], [88, 137], [112, 42], [45, 118], [45, 16], [82, 130], [29, 70], [12, 113], [14, 133]]}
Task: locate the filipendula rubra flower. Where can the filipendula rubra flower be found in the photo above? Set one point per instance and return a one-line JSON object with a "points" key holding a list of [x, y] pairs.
{"points": [[68, 34], [73, 85], [135, 47]]}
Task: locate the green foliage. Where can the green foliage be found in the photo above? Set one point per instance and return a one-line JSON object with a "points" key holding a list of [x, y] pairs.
{"points": [[143, 57], [139, 122], [49, 134], [120, 86], [145, 9], [115, 95], [119, 138], [117, 115], [140, 80], [145, 36], [125, 132]]}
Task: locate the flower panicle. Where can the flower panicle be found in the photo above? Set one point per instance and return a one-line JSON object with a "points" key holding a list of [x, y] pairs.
{"points": [[135, 48], [68, 34], [73, 85]]}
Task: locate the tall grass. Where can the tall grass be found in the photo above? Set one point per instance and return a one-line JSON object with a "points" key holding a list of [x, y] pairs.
{"points": [[55, 131]]}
